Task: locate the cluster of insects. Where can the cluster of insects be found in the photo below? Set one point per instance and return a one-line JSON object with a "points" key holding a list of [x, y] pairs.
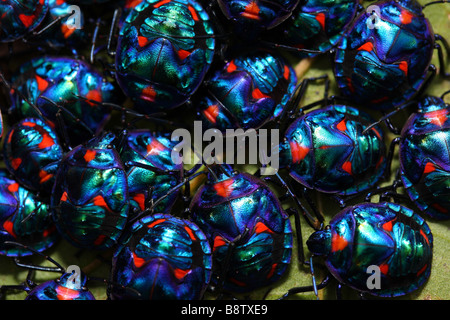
{"points": [[93, 90]]}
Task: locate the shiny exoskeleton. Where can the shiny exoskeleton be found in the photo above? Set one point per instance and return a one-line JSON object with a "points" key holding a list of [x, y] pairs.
{"points": [[386, 237]]}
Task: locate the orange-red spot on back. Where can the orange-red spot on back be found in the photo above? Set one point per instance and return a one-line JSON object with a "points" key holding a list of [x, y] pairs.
{"points": [[159, 4], [66, 31], [13, 187], [132, 3], [338, 243], [89, 155], [422, 270], [403, 65], [183, 54], [44, 176], [231, 67], [261, 227], [154, 223], [180, 273], [142, 41], [347, 167], [16, 162], [224, 188], [63, 197], [9, 227], [190, 233], [298, 151], [140, 199], [342, 126], [251, 11], [406, 17], [272, 271], [148, 94], [100, 202], [193, 12], [320, 17], [138, 261], [64, 293], [99, 240], [211, 113], [94, 95], [257, 94], [29, 124], [218, 242], [49, 231], [286, 72], [425, 236], [368, 46], [429, 167], [154, 147], [26, 20], [46, 142], [384, 268], [437, 117], [41, 82], [388, 226]]}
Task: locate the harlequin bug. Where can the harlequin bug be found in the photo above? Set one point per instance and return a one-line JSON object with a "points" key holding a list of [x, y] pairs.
{"points": [[383, 64], [389, 238], [24, 218], [163, 257]]}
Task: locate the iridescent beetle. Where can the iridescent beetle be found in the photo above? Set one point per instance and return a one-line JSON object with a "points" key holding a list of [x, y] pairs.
{"points": [[384, 57], [24, 218], [151, 172], [163, 257], [31, 153], [249, 231], [329, 150], [247, 92], [63, 26], [164, 50], [249, 18], [90, 201], [316, 25], [70, 286], [425, 156], [19, 17], [50, 88], [383, 240]]}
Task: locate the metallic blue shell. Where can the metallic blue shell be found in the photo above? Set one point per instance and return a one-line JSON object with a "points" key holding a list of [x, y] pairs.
{"points": [[20, 17], [24, 219], [317, 25], [386, 235], [90, 197], [155, 150], [164, 50], [425, 157], [384, 66], [31, 153], [325, 150], [60, 80], [248, 91], [164, 257], [252, 16], [225, 209], [62, 33], [61, 289]]}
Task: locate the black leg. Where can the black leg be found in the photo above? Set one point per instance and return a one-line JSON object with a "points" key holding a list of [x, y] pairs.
{"points": [[438, 47]]}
